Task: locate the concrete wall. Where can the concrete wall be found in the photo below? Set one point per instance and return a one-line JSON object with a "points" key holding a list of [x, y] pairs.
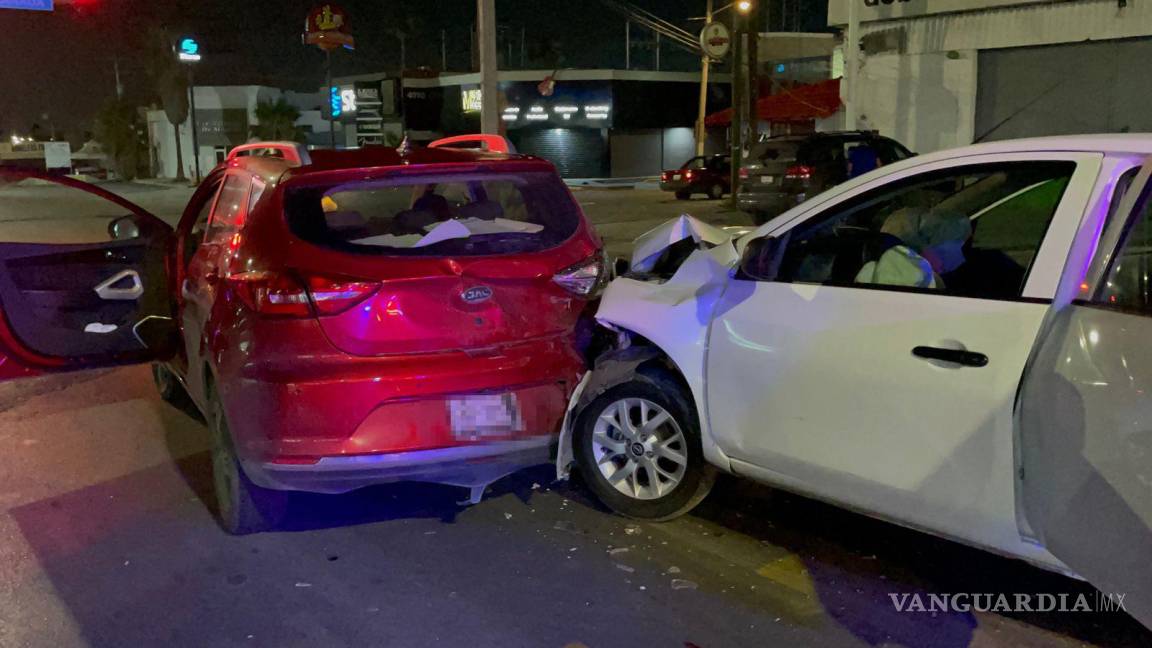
{"points": [[210, 100], [926, 101], [927, 97]]}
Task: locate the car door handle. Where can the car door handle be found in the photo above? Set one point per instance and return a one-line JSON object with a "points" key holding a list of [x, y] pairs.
{"points": [[111, 290], [958, 356]]}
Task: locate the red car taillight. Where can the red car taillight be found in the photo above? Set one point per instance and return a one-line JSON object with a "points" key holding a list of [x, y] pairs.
{"points": [[664, 176], [279, 294], [688, 175], [799, 172], [743, 173], [585, 278]]}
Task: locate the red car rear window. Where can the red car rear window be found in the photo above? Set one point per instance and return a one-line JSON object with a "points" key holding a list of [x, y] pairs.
{"points": [[488, 212]]}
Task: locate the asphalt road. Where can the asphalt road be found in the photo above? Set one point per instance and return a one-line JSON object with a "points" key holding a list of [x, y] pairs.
{"points": [[107, 539]]}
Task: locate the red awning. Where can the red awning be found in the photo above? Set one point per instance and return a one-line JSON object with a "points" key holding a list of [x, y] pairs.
{"points": [[802, 103]]}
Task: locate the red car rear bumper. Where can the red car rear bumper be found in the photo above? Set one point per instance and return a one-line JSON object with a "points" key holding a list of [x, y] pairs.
{"points": [[344, 422]]}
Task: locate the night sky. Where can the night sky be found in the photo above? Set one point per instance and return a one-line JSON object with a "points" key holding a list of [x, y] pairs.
{"points": [[60, 64]]}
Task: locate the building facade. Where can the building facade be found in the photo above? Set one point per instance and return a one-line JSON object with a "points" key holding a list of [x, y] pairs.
{"points": [[941, 73], [589, 123], [225, 116]]}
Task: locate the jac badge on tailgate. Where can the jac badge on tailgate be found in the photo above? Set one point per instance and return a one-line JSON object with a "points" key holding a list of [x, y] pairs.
{"points": [[476, 295]]}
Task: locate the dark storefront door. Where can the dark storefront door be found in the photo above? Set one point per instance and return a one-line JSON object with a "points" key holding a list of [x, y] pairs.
{"points": [[576, 152]]}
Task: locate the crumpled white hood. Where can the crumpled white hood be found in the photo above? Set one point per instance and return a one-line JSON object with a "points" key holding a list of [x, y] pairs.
{"points": [[648, 246]]}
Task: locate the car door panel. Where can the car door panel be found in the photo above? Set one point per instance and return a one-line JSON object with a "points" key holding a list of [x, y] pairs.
{"points": [[826, 383], [859, 414], [1084, 442], [1086, 450], [206, 267], [72, 306], [50, 296]]}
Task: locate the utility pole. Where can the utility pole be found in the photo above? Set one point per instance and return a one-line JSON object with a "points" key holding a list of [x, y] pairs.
{"points": [[851, 65], [705, 65], [754, 73], [738, 105], [627, 44], [195, 125], [489, 75]]}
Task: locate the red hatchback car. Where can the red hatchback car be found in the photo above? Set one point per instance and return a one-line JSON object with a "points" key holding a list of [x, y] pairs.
{"points": [[341, 318]]}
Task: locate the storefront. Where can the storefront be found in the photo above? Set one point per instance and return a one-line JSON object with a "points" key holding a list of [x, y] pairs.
{"points": [[941, 73], [589, 123]]}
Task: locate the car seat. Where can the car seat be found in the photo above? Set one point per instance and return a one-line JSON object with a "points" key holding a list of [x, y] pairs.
{"points": [[482, 210], [412, 221]]}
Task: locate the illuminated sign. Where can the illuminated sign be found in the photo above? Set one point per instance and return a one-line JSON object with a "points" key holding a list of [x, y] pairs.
{"points": [[336, 103], [472, 99], [348, 100], [30, 5], [188, 50]]}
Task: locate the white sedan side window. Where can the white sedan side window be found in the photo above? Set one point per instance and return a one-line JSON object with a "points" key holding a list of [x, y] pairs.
{"points": [[972, 231]]}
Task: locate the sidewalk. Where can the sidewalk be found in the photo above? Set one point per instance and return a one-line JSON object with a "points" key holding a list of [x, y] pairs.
{"points": [[646, 182]]}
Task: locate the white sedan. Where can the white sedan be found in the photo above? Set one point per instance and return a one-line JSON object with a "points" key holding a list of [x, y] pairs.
{"points": [[960, 342]]}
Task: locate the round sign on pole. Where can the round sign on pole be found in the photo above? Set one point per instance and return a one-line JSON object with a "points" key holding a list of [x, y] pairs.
{"points": [[716, 40], [327, 28]]}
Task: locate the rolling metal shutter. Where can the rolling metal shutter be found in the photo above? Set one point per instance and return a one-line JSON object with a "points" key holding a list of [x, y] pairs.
{"points": [[1098, 87], [576, 152]]}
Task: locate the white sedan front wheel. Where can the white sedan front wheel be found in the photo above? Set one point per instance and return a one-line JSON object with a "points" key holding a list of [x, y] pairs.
{"points": [[638, 447]]}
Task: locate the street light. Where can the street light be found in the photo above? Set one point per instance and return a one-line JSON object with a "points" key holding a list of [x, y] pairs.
{"points": [[744, 6]]}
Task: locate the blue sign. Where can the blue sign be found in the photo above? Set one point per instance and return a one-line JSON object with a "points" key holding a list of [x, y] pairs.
{"points": [[188, 50], [31, 5], [334, 99]]}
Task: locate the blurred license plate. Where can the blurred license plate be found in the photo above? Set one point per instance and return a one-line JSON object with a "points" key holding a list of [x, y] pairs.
{"points": [[479, 416], [676, 177], [767, 179]]}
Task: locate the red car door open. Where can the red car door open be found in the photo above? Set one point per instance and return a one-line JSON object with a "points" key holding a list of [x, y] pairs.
{"points": [[95, 294]]}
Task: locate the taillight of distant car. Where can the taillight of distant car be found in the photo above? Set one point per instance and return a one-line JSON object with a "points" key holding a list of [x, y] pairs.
{"points": [[688, 174], [278, 294], [743, 173], [585, 278], [664, 177], [799, 172]]}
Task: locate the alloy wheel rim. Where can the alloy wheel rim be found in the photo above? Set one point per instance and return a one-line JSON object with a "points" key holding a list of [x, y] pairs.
{"points": [[639, 448]]}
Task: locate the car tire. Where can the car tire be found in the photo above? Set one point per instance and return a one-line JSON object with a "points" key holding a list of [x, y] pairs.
{"points": [[683, 195], [716, 191], [168, 385], [242, 507], [611, 462]]}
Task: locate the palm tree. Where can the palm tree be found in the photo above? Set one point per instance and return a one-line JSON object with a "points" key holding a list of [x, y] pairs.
{"points": [[276, 121], [170, 79], [116, 131]]}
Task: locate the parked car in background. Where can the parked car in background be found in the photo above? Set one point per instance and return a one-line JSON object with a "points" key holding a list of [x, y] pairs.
{"points": [[958, 342], [341, 318], [782, 172], [710, 175]]}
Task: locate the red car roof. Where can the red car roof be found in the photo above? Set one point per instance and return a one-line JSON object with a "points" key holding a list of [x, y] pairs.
{"points": [[383, 156]]}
